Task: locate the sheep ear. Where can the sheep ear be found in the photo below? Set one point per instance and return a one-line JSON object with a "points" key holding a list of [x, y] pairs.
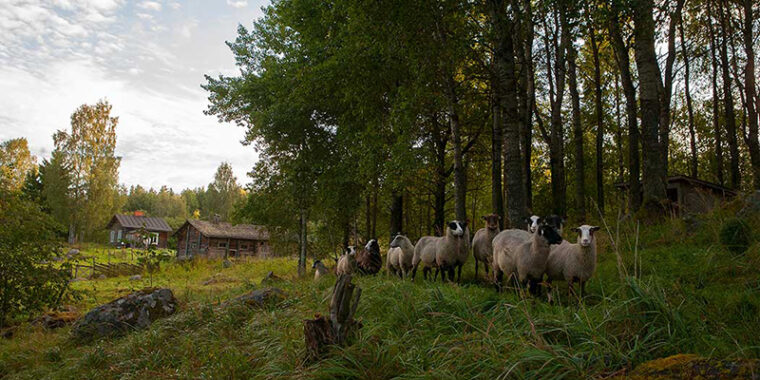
{"points": [[595, 228], [575, 229], [485, 217]]}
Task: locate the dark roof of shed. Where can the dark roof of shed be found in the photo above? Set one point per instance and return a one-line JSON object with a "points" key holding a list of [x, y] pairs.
{"points": [[694, 181], [132, 221], [225, 230]]}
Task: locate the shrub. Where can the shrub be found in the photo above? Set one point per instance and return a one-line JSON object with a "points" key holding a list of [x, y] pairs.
{"points": [[29, 278], [735, 235]]}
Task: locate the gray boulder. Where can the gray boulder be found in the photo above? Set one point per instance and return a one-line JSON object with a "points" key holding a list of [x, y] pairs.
{"points": [[134, 311], [136, 277], [258, 298]]}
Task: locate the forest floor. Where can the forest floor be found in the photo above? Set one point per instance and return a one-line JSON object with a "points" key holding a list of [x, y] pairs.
{"points": [[675, 292]]}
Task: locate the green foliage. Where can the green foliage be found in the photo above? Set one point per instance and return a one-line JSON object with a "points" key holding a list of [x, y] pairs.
{"points": [[30, 280], [16, 162], [151, 257], [735, 235]]}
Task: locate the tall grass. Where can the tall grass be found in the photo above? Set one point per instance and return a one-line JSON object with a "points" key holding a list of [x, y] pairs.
{"points": [[686, 295]]}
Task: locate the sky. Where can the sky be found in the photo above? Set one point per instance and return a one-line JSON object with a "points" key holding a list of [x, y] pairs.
{"points": [[147, 58]]}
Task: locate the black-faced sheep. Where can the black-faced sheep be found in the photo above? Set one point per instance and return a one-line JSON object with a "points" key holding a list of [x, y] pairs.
{"points": [[347, 262], [482, 247], [369, 260], [400, 255], [522, 255], [532, 223], [443, 253], [574, 262], [319, 269]]}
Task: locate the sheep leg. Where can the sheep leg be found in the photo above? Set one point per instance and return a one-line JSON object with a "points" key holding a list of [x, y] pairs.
{"points": [[476, 268], [426, 272], [459, 273], [533, 287], [583, 288], [498, 276], [452, 270]]}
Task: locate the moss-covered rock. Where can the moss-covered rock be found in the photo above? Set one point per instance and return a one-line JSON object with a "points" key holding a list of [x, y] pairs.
{"points": [[687, 366]]}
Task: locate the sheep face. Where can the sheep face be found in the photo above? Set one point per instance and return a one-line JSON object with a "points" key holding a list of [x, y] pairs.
{"points": [[555, 221], [533, 221], [372, 246], [492, 221], [316, 263], [549, 233], [457, 228], [396, 242], [586, 234], [351, 250]]}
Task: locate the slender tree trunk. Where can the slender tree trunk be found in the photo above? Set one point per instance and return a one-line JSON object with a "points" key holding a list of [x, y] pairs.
{"points": [[460, 183], [650, 97], [556, 143], [629, 91], [599, 118], [368, 231], [717, 133], [497, 201], [666, 90], [302, 243], [619, 133], [504, 61], [749, 88], [375, 186], [728, 102], [693, 162], [524, 49], [580, 177], [397, 213], [440, 140]]}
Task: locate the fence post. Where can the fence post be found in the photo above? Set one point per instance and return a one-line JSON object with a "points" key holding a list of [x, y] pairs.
{"points": [[93, 268]]}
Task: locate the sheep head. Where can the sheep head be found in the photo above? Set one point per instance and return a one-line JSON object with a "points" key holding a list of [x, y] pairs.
{"points": [[533, 221], [492, 221], [457, 228], [549, 233], [585, 234]]}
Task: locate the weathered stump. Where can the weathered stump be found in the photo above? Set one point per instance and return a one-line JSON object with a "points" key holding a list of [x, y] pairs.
{"points": [[321, 332]]}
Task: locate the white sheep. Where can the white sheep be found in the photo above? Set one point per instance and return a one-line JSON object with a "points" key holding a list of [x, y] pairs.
{"points": [[522, 255], [347, 262], [443, 253], [400, 256], [319, 269], [574, 262], [482, 247], [532, 222]]}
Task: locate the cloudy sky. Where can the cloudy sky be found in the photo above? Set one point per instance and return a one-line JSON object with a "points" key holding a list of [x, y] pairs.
{"points": [[147, 58]]}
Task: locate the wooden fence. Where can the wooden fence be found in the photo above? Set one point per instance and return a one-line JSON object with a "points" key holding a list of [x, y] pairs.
{"points": [[109, 269]]}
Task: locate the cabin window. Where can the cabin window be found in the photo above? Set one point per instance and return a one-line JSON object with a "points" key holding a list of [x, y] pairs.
{"points": [[243, 246], [222, 244], [118, 235], [194, 245], [113, 236], [154, 238]]}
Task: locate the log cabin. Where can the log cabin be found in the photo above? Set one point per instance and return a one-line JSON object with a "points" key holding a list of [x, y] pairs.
{"points": [[689, 195], [221, 240], [124, 230]]}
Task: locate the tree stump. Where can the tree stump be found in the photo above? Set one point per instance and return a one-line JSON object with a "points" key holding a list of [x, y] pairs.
{"points": [[321, 332]]}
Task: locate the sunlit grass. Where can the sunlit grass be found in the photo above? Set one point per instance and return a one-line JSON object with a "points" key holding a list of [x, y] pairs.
{"points": [[690, 297]]}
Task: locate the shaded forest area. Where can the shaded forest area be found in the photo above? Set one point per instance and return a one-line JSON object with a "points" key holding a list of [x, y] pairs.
{"points": [[377, 118]]}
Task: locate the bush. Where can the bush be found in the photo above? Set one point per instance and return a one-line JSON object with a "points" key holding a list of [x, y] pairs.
{"points": [[735, 235], [29, 278]]}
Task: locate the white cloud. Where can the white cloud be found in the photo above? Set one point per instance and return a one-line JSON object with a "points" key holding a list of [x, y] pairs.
{"points": [[150, 5], [58, 54], [237, 3]]}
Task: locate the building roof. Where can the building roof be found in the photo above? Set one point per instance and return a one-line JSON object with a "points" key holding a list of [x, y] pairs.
{"points": [[694, 181], [138, 221], [225, 230]]}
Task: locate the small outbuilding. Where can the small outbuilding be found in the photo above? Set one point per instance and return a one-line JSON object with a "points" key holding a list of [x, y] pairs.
{"points": [[124, 229], [689, 195], [219, 239]]}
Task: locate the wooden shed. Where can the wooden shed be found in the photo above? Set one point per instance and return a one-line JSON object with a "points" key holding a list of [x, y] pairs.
{"points": [[124, 229], [690, 195], [220, 239]]}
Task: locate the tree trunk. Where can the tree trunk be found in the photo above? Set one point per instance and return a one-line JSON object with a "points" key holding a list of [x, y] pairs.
{"points": [[693, 162], [580, 177], [715, 98], [504, 63], [650, 96], [599, 118], [397, 214], [523, 42], [631, 108], [666, 90], [556, 142], [369, 217], [749, 88], [440, 140], [497, 201], [321, 332], [460, 182], [375, 191], [619, 133], [302, 243], [728, 102]]}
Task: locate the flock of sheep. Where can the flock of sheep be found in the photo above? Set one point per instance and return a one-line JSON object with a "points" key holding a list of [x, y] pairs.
{"points": [[527, 257]]}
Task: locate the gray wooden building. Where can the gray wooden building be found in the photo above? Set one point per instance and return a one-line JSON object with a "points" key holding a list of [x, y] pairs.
{"points": [[220, 239]]}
